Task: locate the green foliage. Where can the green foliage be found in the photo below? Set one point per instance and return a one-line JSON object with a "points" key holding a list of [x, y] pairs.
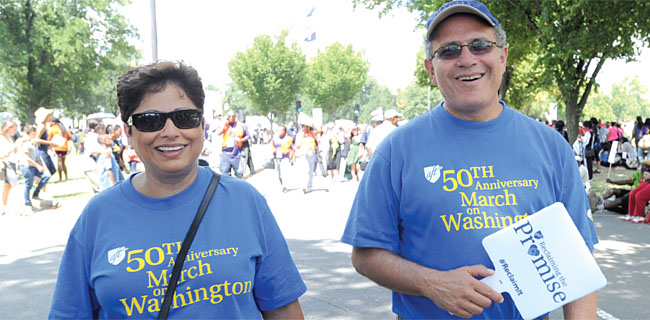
{"points": [[336, 76], [371, 97], [237, 100], [572, 38], [416, 100], [421, 74], [624, 102], [63, 54], [270, 74]]}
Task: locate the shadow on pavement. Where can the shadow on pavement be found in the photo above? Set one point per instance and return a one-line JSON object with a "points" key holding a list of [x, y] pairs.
{"points": [[27, 284], [334, 289]]}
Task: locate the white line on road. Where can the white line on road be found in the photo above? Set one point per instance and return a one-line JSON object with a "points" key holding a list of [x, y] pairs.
{"points": [[604, 315]]}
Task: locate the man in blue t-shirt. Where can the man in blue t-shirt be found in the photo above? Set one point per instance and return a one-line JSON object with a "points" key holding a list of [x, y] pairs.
{"points": [[424, 205]]}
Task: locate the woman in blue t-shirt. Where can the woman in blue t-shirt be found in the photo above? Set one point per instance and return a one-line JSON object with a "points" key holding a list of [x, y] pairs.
{"points": [[122, 250]]}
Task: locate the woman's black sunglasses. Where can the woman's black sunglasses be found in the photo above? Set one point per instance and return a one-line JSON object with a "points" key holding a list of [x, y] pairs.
{"points": [[155, 121]]}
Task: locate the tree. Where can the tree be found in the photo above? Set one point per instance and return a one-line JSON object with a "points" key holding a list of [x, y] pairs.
{"points": [[270, 74], [54, 53], [625, 102], [237, 100], [371, 97], [335, 78], [572, 38], [415, 100]]}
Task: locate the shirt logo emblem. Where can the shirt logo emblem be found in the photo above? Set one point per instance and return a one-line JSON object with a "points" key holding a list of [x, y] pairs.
{"points": [[116, 255], [432, 173]]}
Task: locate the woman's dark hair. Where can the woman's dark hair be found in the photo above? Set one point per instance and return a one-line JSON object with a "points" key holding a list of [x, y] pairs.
{"points": [[559, 125], [587, 124], [647, 122], [137, 82]]}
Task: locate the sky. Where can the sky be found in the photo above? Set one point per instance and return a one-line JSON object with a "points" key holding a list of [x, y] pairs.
{"points": [[208, 33]]}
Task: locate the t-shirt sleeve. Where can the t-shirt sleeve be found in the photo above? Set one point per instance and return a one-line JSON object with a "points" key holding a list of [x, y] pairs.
{"points": [[73, 297], [374, 218], [277, 280]]}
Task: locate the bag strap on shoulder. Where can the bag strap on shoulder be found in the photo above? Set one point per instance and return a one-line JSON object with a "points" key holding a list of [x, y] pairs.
{"points": [[189, 237]]}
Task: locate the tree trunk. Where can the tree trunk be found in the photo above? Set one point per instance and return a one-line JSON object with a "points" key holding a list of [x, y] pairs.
{"points": [[505, 83], [572, 114]]}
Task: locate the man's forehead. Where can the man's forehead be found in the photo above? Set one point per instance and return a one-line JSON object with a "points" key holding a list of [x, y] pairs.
{"points": [[463, 28]]}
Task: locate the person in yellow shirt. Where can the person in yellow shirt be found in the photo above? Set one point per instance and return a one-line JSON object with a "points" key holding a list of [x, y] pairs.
{"points": [[306, 147]]}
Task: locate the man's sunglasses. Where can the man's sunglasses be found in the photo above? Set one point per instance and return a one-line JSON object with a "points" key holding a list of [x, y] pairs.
{"points": [[155, 121], [453, 51]]}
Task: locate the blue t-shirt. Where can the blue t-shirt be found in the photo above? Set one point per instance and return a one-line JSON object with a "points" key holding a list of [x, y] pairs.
{"points": [[438, 185], [121, 253]]}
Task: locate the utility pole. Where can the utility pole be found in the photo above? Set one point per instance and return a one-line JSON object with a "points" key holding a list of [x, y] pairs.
{"points": [[154, 32]]}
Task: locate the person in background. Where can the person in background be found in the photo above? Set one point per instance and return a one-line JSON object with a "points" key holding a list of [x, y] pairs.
{"points": [[239, 264], [637, 133], [334, 153], [31, 167], [129, 156], [8, 160], [621, 202], [59, 135], [408, 222], [204, 157], [234, 135], [247, 152], [107, 168], [306, 148], [322, 141], [42, 118], [283, 155], [559, 127], [644, 131], [91, 147], [391, 118], [117, 148], [354, 155]]}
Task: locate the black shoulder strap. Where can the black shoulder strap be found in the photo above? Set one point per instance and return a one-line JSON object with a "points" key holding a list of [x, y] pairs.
{"points": [[189, 237]]}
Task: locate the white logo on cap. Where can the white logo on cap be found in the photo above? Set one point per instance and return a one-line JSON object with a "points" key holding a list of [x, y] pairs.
{"points": [[432, 173], [116, 255]]}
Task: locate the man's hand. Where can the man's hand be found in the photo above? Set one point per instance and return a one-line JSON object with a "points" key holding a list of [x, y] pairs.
{"points": [[459, 292]]}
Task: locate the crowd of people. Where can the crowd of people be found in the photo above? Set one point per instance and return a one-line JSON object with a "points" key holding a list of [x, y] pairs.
{"points": [[37, 152], [606, 144]]}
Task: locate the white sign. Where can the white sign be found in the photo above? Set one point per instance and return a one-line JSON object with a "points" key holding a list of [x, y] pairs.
{"points": [[317, 114], [612, 153], [542, 262]]}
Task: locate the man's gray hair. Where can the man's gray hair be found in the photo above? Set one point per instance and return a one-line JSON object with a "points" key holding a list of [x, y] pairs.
{"points": [[498, 31]]}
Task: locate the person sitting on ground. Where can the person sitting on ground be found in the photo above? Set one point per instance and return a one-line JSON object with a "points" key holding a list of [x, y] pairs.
{"points": [[620, 203], [628, 154], [639, 197]]}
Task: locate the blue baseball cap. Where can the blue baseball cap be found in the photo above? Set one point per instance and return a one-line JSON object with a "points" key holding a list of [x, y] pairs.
{"points": [[459, 6]]}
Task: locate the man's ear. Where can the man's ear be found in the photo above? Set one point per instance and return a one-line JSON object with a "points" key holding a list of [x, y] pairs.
{"points": [[429, 66], [504, 58]]}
